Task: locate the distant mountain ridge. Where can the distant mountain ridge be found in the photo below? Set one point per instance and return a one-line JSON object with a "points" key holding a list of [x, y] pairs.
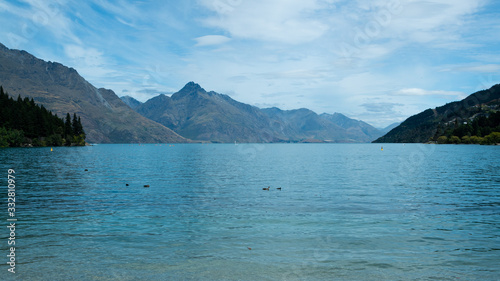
{"points": [[355, 128], [61, 89], [432, 123], [130, 101], [209, 116], [191, 112], [389, 128]]}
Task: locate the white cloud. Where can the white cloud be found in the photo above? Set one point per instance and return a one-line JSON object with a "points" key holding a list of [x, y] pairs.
{"points": [[380, 106], [122, 21], [280, 21], [209, 40], [124, 11], [485, 68], [278, 52], [433, 20], [422, 92], [87, 56], [51, 15], [91, 63], [12, 9]]}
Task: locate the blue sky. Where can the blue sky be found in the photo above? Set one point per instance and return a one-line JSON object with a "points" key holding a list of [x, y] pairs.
{"points": [[378, 61]]}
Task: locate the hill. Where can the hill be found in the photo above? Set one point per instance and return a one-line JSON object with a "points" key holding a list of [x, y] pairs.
{"points": [[430, 124], [60, 89]]}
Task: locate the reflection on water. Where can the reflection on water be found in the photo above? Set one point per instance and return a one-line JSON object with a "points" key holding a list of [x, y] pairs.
{"points": [[345, 212]]}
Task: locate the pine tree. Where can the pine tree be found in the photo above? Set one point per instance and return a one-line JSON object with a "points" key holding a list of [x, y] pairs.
{"points": [[74, 125], [80, 127], [22, 122], [68, 130], [3, 104]]}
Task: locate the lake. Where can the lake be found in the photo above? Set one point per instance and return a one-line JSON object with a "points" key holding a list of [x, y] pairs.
{"points": [[344, 212]]}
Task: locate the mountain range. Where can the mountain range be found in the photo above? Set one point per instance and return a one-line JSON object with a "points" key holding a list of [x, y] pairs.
{"points": [[193, 114], [189, 114], [105, 117], [209, 116], [432, 123]]}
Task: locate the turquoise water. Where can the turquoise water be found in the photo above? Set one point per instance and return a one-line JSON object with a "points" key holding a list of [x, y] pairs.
{"points": [[345, 212]]}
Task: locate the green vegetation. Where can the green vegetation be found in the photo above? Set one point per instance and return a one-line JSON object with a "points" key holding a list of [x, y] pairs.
{"points": [[24, 123], [482, 130], [470, 120], [493, 138]]}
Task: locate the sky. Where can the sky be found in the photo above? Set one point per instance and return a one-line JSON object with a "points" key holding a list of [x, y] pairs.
{"points": [[376, 61]]}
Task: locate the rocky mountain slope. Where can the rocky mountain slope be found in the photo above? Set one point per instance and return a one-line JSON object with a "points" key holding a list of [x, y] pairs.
{"points": [[105, 118], [209, 116], [130, 101]]}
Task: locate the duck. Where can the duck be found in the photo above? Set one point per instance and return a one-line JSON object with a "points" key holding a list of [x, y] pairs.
{"points": [[266, 188], [279, 188]]}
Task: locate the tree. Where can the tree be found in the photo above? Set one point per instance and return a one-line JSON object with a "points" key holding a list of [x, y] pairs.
{"points": [[80, 127], [68, 128], [442, 140], [54, 140], [11, 138], [476, 140], [23, 122], [493, 138], [74, 125], [4, 142], [454, 140], [77, 126], [466, 139]]}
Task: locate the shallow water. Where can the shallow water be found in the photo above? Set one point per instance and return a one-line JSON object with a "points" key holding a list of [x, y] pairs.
{"points": [[345, 212]]}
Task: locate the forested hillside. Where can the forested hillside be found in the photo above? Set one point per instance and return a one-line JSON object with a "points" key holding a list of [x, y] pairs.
{"points": [[24, 123], [482, 130], [470, 120]]}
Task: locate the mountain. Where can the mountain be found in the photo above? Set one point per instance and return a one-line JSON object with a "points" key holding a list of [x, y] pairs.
{"points": [[389, 128], [432, 123], [356, 129], [60, 89], [209, 116], [304, 124], [130, 101]]}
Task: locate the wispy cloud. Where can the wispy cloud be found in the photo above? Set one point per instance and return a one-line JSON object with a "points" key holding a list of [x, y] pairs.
{"points": [[209, 40], [372, 60], [276, 21], [380, 106], [422, 92], [51, 16], [89, 56], [125, 22], [477, 68]]}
